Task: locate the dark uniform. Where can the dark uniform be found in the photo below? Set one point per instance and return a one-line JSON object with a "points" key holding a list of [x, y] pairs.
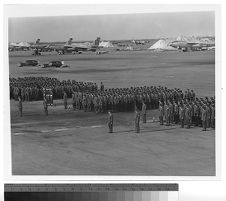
{"points": [[45, 105], [110, 122], [212, 117], [101, 86], [20, 106], [182, 115], [176, 112], [137, 121], [204, 118], [167, 114], [161, 113], [65, 100], [73, 101], [188, 116], [144, 112]]}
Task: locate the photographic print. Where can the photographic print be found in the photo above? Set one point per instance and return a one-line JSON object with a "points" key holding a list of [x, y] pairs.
{"points": [[114, 94]]}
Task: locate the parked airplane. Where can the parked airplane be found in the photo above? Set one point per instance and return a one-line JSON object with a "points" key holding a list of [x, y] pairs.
{"points": [[39, 45], [193, 46], [70, 47]]}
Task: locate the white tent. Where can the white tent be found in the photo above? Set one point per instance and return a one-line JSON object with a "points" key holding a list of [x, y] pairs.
{"points": [[162, 44], [191, 39], [23, 44], [12, 44], [105, 44]]}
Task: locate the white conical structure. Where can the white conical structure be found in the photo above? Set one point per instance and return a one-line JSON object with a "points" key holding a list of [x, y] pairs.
{"points": [[162, 44], [23, 44]]}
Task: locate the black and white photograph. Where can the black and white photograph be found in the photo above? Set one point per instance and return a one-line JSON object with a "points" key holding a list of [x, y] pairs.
{"points": [[113, 94]]}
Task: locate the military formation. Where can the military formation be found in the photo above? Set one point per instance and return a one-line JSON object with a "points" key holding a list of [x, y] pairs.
{"points": [[32, 88], [174, 105], [188, 111], [124, 99]]}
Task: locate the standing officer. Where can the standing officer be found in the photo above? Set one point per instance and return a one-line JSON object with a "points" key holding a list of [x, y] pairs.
{"points": [[101, 86], [188, 115], [167, 114], [45, 105], [144, 112], [208, 110], [176, 112], [73, 101], [110, 122], [182, 114], [161, 113], [137, 121], [65, 100], [171, 110], [204, 118], [212, 116], [20, 106]]}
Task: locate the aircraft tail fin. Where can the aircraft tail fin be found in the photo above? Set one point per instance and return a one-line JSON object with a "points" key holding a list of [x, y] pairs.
{"points": [[97, 41], [37, 41], [69, 42]]}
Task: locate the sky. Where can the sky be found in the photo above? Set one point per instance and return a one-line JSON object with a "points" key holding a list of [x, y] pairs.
{"points": [[111, 27]]}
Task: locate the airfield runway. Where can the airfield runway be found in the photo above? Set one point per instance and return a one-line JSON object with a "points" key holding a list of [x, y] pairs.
{"points": [[71, 142]]}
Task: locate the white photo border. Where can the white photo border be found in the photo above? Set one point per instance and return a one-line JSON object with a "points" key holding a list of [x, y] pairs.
{"points": [[35, 10]]}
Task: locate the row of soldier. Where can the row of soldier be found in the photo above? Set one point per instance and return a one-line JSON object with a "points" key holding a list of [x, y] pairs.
{"points": [[125, 99], [198, 112], [32, 88]]}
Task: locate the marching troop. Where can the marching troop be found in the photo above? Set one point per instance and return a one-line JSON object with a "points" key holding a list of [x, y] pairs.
{"points": [[174, 105]]}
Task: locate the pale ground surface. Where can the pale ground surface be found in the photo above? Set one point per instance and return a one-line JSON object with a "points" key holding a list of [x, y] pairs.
{"points": [[71, 142]]}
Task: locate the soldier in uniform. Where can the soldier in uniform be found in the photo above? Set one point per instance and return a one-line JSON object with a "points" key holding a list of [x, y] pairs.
{"points": [[182, 114], [212, 118], [65, 100], [110, 122], [176, 112], [20, 106], [45, 105], [84, 103], [167, 114], [137, 121], [188, 115], [144, 112], [73, 101], [193, 95], [101, 86], [51, 96], [208, 113], [196, 113], [204, 117], [171, 110], [161, 113]]}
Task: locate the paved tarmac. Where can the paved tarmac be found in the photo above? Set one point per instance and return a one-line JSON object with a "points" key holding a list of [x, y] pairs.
{"points": [[71, 142]]}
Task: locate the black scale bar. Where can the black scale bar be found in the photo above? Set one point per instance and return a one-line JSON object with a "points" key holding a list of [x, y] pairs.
{"points": [[88, 187]]}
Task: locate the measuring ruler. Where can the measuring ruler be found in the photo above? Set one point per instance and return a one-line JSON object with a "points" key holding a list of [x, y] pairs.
{"points": [[89, 187]]}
